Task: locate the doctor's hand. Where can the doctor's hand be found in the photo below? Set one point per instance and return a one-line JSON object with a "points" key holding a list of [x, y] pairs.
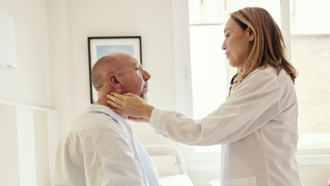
{"points": [[139, 119], [130, 104]]}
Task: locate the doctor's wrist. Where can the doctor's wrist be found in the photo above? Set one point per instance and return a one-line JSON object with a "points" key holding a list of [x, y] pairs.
{"points": [[148, 111]]}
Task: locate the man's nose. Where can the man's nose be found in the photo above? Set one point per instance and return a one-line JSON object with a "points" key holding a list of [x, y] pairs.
{"points": [[146, 76]]}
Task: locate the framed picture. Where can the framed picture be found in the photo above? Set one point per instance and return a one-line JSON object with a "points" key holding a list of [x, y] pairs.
{"points": [[101, 46]]}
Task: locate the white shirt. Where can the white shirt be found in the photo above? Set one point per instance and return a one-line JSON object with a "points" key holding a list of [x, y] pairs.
{"points": [[256, 126], [99, 149]]}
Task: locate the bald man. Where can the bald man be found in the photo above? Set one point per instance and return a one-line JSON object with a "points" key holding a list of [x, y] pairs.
{"points": [[98, 148]]}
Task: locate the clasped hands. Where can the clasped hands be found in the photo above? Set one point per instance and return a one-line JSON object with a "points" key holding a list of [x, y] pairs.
{"points": [[130, 104]]}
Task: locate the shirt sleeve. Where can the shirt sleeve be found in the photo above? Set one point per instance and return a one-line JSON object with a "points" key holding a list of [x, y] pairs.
{"points": [[252, 104], [108, 158]]}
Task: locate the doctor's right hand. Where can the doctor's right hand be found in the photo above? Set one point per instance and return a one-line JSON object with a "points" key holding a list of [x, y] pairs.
{"points": [[130, 104]]}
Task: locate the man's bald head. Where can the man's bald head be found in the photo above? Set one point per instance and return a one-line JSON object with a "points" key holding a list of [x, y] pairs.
{"points": [[106, 65], [121, 73]]}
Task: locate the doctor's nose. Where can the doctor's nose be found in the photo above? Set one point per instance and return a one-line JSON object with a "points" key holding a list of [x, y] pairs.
{"points": [[224, 47]]}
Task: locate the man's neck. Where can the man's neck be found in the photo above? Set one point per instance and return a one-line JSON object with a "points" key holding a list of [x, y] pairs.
{"points": [[103, 101]]}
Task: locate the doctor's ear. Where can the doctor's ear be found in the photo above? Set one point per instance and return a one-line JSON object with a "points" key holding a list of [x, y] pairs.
{"points": [[251, 34], [114, 82]]}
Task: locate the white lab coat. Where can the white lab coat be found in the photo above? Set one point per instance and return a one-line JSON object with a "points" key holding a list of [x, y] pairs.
{"points": [[99, 149], [256, 126]]}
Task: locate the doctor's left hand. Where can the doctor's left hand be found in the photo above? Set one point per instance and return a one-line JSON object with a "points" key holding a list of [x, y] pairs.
{"points": [[130, 104]]}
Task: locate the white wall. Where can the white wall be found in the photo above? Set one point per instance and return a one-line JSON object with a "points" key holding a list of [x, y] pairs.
{"points": [[61, 85], [30, 84]]}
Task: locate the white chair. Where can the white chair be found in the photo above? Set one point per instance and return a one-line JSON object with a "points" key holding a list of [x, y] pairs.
{"points": [[170, 164]]}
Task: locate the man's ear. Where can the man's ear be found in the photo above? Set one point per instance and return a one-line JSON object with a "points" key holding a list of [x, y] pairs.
{"points": [[114, 82], [251, 34]]}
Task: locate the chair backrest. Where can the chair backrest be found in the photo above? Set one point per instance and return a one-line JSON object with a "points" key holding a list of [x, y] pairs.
{"points": [[167, 158]]}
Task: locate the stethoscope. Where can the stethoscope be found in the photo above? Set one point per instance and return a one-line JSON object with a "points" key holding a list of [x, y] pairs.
{"points": [[231, 83]]}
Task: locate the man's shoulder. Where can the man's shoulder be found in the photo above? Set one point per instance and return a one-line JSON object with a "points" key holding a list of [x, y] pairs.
{"points": [[93, 118], [98, 120], [94, 114], [93, 124]]}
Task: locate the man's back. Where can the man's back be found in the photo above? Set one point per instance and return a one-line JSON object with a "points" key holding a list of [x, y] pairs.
{"points": [[98, 148]]}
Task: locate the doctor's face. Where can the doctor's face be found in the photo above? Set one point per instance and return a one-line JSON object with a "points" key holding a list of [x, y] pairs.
{"points": [[236, 43], [133, 78]]}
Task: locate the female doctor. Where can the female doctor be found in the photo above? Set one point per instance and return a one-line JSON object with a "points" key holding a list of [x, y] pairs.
{"points": [[257, 124]]}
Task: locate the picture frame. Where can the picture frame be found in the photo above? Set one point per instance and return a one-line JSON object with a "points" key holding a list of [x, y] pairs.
{"points": [[101, 46]]}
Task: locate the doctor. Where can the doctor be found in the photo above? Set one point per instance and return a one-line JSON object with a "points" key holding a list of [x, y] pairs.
{"points": [[257, 124]]}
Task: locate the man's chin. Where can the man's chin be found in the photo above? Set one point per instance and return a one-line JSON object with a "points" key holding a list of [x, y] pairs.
{"points": [[144, 96]]}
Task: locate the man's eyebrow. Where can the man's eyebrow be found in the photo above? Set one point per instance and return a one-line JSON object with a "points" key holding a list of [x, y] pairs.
{"points": [[137, 65], [225, 30]]}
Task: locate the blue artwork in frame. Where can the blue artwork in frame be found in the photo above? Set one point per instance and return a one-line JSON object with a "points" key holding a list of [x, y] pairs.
{"points": [[101, 46], [102, 50]]}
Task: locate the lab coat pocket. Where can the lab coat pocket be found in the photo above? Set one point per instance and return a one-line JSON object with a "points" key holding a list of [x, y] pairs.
{"points": [[249, 181]]}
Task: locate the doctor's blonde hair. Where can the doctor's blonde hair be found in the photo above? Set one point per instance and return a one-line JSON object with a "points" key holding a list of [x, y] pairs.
{"points": [[268, 46]]}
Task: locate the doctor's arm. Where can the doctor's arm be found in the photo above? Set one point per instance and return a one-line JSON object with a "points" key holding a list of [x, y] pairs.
{"points": [[253, 103]]}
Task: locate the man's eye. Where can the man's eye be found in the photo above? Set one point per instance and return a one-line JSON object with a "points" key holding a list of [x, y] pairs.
{"points": [[137, 69], [227, 35]]}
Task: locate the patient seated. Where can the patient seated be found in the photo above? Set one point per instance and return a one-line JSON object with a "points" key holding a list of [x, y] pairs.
{"points": [[99, 147]]}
